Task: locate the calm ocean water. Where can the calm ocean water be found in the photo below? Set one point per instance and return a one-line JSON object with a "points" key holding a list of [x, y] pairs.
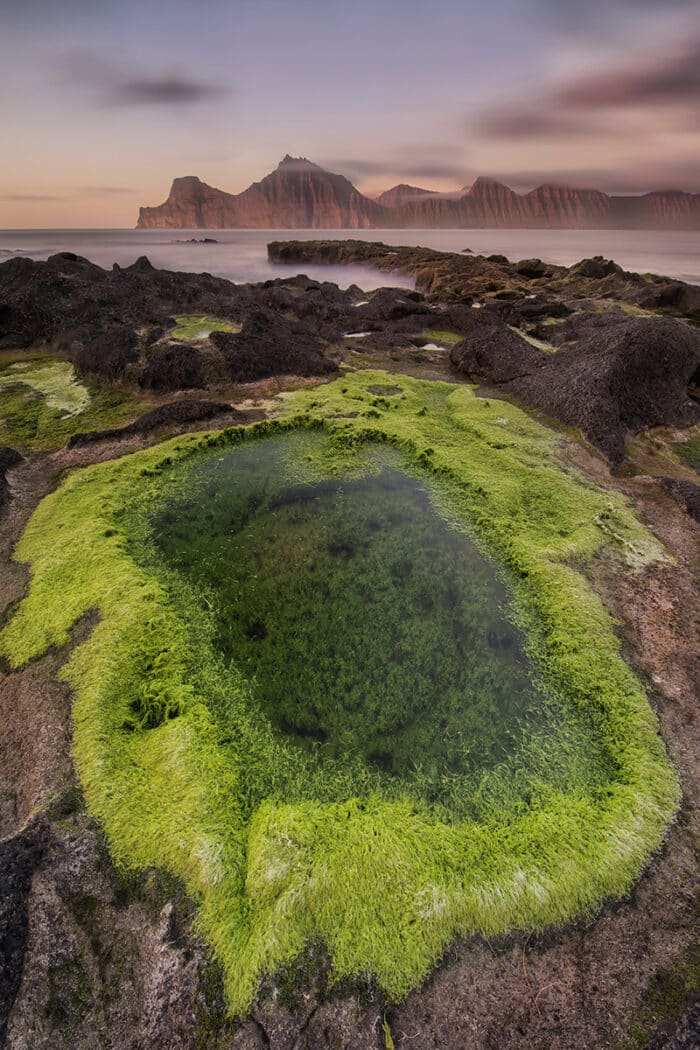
{"points": [[240, 255]]}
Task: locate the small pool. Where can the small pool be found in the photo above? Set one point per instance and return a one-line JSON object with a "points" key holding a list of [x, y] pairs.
{"points": [[368, 627]]}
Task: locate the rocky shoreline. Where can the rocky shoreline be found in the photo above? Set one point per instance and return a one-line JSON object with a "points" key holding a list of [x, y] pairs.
{"points": [[93, 958]]}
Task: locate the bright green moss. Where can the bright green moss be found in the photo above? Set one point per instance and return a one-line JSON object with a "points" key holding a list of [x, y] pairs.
{"points": [[193, 328], [689, 451], [42, 403], [369, 632], [54, 379], [440, 335], [383, 880]]}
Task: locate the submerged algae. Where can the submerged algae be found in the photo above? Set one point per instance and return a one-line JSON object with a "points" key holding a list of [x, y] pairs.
{"points": [[383, 878], [369, 631]]}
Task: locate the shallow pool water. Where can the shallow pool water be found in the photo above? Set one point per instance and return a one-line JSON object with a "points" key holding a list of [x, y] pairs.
{"points": [[367, 625]]}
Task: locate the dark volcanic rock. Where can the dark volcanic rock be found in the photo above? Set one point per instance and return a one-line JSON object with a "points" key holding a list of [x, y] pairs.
{"points": [[531, 268], [687, 493], [626, 374], [451, 277], [18, 858], [268, 345], [176, 413], [597, 267], [113, 324], [491, 351], [107, 353], [632, 375], [673, 295], [173, 367], [9, 457]]}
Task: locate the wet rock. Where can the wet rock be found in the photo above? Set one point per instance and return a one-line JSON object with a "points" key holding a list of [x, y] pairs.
{"points": [[450, 277], [19, 856], [531, 268], [107, 353], [108, 321], [173, 368], [175, 413], [630, 375], [674, 295], [269, 345], [9, 457], [687, 493], [597, 267], [491, 351]]}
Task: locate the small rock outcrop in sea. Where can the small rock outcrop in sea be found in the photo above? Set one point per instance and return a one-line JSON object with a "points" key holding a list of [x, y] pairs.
{"points": [[452, 277]]}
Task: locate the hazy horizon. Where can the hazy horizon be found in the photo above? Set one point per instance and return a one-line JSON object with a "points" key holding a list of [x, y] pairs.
{"points": [[106, 104]]}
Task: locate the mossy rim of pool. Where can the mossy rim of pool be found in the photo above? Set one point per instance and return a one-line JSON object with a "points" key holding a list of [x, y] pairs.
{"points": [[186, 772]]}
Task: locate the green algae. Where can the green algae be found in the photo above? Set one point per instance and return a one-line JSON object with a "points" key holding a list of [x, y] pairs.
{"points": [[42, 403], [198, 327], [688, 451], [369, 631], [55, 381], [380, 876], [440, 335]]}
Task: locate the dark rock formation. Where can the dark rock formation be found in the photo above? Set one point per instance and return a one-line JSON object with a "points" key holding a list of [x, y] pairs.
{"points": [[9, 457], [267, 345], [113, 324], [176, 413], [491, 351], [624, 374], [450, 277], [612, 373], [687, 493], [173, 367], [18, 858], [632, 375], [300, 194]]}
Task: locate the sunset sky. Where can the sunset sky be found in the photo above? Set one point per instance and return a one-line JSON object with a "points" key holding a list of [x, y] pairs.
{"points": [[104, 102]]}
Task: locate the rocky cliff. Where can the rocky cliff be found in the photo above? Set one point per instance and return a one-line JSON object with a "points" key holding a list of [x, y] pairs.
{"points": [[402, 194], [301, 195], [297, 195]]}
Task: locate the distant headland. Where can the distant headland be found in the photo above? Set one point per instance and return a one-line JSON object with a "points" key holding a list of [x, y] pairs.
{"points": [[301, 195]]}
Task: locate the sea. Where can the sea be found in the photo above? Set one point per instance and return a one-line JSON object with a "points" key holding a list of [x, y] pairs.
{"points": [[241, 255]]}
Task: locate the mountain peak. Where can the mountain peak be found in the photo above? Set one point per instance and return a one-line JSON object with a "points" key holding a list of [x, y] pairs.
{"points": [[289, 163], [484, 182], [299, 194], [187, 180]]}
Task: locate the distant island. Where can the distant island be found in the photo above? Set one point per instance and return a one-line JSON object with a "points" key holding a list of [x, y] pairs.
{"points": [[301, 195]]}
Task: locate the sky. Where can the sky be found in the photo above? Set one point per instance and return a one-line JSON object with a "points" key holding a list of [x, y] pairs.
{"points": [[104, 102]]}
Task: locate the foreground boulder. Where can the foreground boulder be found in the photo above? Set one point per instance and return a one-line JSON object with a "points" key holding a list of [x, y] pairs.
{"points": [[270, 345], [622, 378], [492, 351]]}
